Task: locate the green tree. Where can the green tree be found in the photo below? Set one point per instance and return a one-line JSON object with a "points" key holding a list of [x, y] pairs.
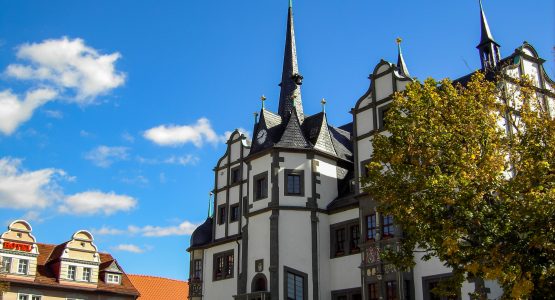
{"points": [[470, 179]]}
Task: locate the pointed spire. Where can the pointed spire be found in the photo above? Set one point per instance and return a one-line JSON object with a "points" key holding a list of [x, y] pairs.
{"points": [[291, 79], [488, 47], [400, 60], [486, 36]]}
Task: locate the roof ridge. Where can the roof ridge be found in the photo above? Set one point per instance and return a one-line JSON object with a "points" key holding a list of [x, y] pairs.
{"points": [[160, 277]]}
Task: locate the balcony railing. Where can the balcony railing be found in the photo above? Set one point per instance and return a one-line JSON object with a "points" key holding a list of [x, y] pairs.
{"points": [[253, 296]]}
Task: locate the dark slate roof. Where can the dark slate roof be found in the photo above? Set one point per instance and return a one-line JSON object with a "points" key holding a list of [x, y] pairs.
{"points": [[203, 234], [342, 142], [293, 136], [314, 133]]}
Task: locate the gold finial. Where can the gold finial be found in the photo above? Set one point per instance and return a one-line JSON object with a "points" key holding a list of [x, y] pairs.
{"points": [[323, 101], [398, 40], [263, 98]]}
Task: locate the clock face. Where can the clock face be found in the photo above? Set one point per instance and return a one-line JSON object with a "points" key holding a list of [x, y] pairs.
{"points": [[261, 136]]}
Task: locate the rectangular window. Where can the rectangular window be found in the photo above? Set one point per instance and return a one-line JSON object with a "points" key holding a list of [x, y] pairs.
{"points": [[71, 271], [373, 291], [23, 266], [34, 297], [235, 174], [261, 186], [223, 265], [113, 278], [354, 239], [388, 230], [28, 297], [391, 290], [221, 215], [6, 264], [23, 297], [197, 269], [431, 282], [87, 274], [294, 183], [371, 227], [234, 213], [295, 287], [340, 242]]}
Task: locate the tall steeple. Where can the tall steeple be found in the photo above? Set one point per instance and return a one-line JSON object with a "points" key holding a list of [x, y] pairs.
{"points": [[489, 49], [401, 61], [291, 79]]}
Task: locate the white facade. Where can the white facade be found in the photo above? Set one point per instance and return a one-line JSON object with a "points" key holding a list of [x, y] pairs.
{"points": [[290, 219]]}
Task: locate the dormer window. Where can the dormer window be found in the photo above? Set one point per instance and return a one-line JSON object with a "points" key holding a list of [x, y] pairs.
{"points": [[6, 264], [23, 266], [113, 278], [87, 274], [71, 271]]}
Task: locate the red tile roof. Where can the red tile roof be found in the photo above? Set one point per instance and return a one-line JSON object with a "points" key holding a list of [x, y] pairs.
{"points": [[156, 288], [45, 276]]}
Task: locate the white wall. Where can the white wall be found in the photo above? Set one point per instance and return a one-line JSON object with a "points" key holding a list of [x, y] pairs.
{"points": [[220, 289]]}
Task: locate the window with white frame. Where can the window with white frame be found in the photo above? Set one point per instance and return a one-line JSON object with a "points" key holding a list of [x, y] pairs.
{"points": [[6, 264], [87, 274], [113, 278], [71, 271], [23, 266]]}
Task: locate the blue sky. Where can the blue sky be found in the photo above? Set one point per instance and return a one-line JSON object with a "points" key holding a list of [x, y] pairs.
{"points": [[113, 113]]}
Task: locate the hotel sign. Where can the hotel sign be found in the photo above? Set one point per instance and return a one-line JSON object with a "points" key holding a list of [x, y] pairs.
{"points": [[18, 246]]}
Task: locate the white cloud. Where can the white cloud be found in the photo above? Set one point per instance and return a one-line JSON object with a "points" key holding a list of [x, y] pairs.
{"points": [[69, 64], [126, 136], [15, 111], [182, 160], [104, 156], [55, 114], [20, 189], [128, 248], [184, 228], [175, 135], [96, 202], [108, 231]]}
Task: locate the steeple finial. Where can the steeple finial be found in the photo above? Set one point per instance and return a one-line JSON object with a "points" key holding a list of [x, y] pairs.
{"points": [[489, 49], [263, 99], [400, 60], [323, 101], [291, 79], [210, 203]]}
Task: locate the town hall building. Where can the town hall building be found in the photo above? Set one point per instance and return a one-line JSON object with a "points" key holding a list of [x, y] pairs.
{"points": [[291, 220]]}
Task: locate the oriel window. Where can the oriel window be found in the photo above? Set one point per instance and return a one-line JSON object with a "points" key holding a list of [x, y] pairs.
{"points": [[371, 227]]}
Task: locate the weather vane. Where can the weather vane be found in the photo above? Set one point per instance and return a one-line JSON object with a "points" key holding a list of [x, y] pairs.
{"points": [[398, 40]]}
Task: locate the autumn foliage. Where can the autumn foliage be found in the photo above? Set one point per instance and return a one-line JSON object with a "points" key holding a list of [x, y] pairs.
{"points": [[468, 172]]}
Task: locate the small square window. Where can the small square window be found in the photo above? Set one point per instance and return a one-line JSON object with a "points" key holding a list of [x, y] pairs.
{"points": [[294, 181], [87, 274], [221, 214], [387, 227], [234, 213], [71, 270], [113, 278], [235, 175], [260, 186], [23, 266], [223, 265], [6, 264], [371, 227]]}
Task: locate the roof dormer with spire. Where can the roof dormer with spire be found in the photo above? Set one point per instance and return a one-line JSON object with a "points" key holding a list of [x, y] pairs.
{"points": [[488, 47]]}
